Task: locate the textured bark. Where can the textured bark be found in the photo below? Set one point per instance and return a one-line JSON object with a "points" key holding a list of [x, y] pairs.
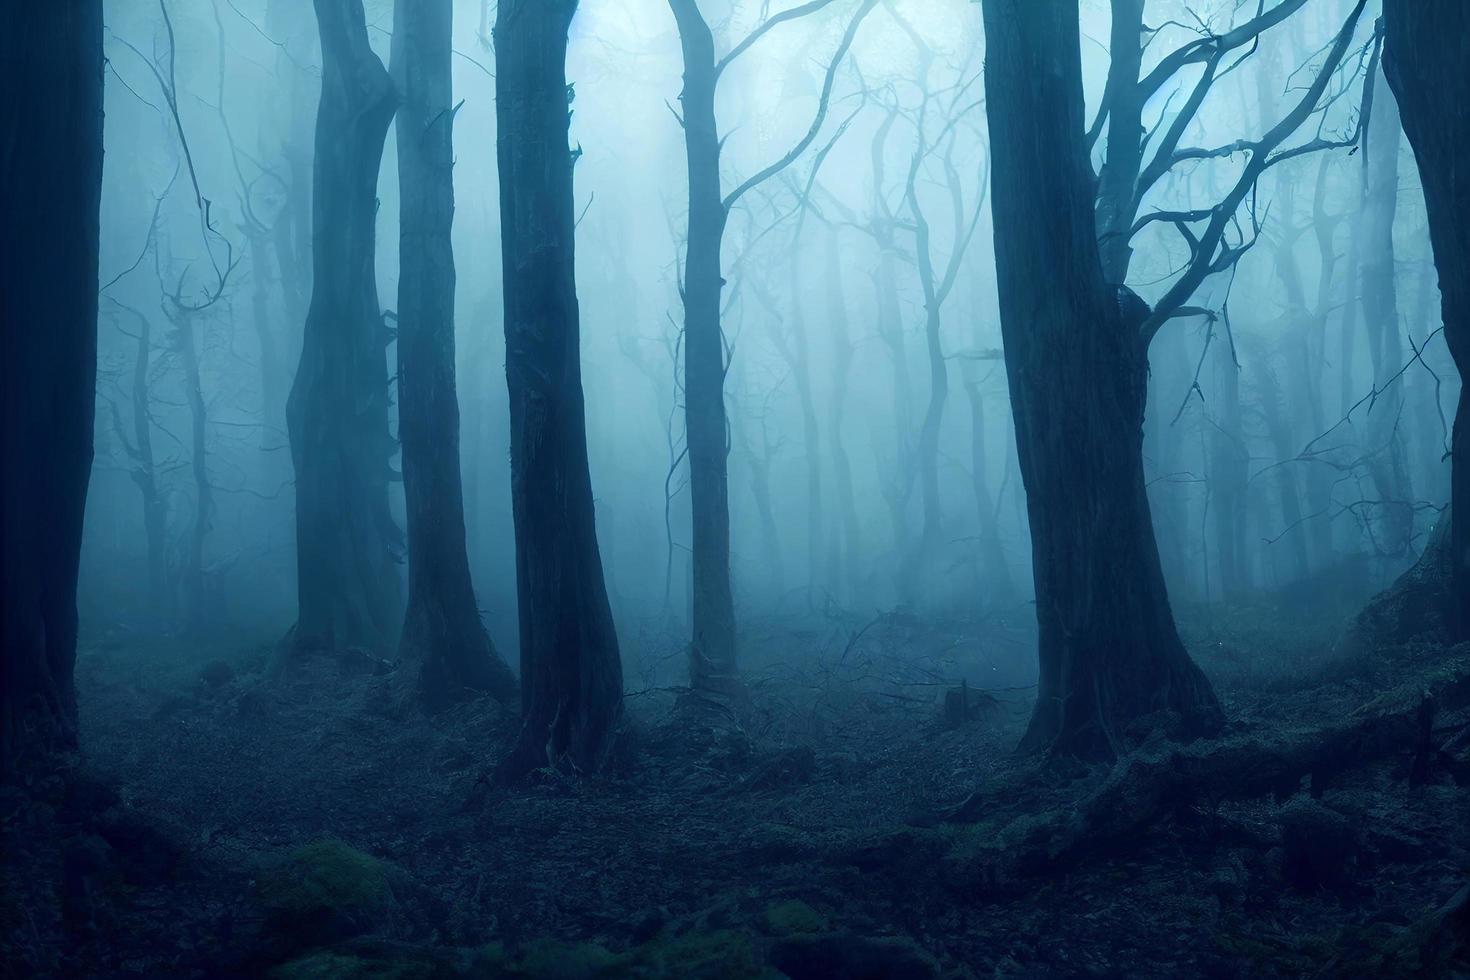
{"points": [[51, 138], [442, 632], [712, 663], [1424, 59], [346, 542], [1109, 651], [571, 675]]}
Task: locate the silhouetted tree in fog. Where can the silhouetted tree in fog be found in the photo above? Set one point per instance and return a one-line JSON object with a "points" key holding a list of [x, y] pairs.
{"points": [[1076, 349], [51, 168], [713, 675], [1425, 61], [571, 674], [441, 627], [346, 542]]}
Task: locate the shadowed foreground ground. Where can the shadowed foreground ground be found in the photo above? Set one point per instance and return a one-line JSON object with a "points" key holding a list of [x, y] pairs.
{"points": [[236, 821]]}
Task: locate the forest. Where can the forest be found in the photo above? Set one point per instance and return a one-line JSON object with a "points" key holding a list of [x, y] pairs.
{"points": [[735, 489]]}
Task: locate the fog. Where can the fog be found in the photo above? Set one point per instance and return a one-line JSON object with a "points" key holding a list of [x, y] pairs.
{"points": [[1265, 461], [735, 488]]}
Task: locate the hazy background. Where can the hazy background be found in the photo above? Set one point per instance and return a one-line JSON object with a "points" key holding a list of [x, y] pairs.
{"points": [[245, 75]]}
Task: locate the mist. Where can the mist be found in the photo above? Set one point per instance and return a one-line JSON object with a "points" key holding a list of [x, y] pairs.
{"points": [[861, 466]]}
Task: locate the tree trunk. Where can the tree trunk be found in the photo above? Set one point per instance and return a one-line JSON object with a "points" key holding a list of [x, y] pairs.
{"points": [[571, 674], [1424, 59], [1109, 651], [1387, 458], [145, 472], [51, 131], [442, 631], [712, 663], [346, 542]]}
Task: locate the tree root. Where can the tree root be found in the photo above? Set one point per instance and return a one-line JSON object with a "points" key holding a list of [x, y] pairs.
{"points": [[1164, 779]]}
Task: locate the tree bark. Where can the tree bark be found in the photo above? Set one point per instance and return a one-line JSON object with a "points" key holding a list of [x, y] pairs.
{"points": [[571, 674], [337, 414], [1077, 364], [1424, 59], [442, 631], [712, 661], [51, 133]]}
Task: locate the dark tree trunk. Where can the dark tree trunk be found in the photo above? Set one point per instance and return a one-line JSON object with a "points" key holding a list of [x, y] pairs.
{"points": [[442, 631], [1109, 652], [1388, 463], [346, 542], [1424, 59], [51, 134], [571, 675], [712, 663]]}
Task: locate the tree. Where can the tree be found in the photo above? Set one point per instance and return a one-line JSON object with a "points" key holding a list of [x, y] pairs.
{"points": [[1076, 347], [571, 674], [51, 128], [1424, 60], [713, 674], [441, 627], [337, 412]]}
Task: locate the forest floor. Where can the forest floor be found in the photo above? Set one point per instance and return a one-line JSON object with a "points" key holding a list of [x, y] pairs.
{"points": [[239, 821]]}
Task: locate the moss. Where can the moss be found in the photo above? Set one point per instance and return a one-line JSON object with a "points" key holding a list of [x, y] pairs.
{"points": [[326, 874], [324, 892], [338, 966], [794, 916], [717, 955], [550, 960]]}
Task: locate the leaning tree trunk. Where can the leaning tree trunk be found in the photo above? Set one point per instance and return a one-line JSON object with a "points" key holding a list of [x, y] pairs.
{"points": [[1109, 651], [571, 675], [346, 542], [51, 132], [712, 664], [442, 631], [1424, 59]]}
